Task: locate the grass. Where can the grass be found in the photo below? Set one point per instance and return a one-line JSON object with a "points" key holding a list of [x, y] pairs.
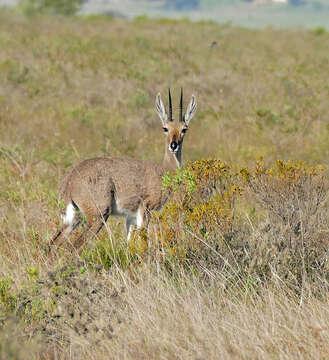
{"points": [[250, 279]]}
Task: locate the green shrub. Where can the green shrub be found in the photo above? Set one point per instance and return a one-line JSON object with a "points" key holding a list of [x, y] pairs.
{"points": [[320, 30], [202, 225]]}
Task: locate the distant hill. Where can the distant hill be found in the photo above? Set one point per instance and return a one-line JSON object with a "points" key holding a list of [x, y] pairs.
{"points": [[181, 5], [247, 13], [195, 4]]}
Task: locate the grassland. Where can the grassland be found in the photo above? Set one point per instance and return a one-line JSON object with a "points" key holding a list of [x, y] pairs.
{"points": [[250, 286]]}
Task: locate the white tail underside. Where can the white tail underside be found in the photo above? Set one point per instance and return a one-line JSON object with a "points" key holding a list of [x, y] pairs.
{"points": [[69, 215]]}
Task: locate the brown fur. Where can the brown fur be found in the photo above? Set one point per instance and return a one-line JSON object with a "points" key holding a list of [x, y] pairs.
{"points": [[100, 187], [143, 181]]}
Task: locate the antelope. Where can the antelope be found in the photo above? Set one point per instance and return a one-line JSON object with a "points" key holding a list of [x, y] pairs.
{"points": [[99, 187]]}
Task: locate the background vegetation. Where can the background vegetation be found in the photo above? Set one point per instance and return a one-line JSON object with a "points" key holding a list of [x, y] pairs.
{"points": [[59, 7], [247, 13], [236, 264]]}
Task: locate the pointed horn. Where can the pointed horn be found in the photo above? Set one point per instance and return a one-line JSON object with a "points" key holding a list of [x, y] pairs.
{"points": [[170, 106], [181, 106]]}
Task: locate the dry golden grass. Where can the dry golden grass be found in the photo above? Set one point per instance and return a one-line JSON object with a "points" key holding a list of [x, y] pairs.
{"points": [[156, 318], [255, 288]]}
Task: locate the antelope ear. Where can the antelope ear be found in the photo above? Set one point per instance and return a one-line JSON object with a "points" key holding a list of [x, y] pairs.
{"points": [[190, 112], [161, 111]]}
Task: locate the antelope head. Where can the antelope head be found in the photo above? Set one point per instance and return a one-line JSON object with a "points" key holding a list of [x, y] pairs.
{"points": [[175, 130]]}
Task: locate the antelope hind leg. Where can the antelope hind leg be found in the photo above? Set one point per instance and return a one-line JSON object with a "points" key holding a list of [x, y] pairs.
{"points": [[92, 230], [61, 237]]}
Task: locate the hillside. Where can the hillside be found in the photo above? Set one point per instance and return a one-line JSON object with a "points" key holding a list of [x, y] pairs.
{"points": [[247, 13], [240, 269], [253, 14]]}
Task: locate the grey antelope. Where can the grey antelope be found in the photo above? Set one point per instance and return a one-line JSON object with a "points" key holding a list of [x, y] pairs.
{"points": [[97, 188]]}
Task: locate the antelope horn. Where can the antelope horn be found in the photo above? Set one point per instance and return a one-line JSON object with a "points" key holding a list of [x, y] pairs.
{"points": [[170, 107], [181, 106]]}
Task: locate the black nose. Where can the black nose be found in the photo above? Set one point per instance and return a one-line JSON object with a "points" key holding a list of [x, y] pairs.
{"points": [[173, 145]]}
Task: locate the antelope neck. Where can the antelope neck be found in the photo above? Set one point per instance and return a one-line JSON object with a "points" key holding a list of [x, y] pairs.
{"points": [[172, 161]]}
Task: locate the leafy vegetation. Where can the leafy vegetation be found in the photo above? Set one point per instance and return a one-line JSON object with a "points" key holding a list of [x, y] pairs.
{"points": [[236, 262]]}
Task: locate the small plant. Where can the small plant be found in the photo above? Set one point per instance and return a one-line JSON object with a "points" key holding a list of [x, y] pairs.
{"points": [[320, 30], [268, 116], [32, 272], [7, 298]]}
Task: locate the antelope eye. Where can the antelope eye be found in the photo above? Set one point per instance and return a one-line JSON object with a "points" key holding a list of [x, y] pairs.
{"points": [[184, 130], [165, 129]]}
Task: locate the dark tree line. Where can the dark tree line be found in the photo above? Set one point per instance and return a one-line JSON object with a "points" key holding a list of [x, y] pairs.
{"points": [[181, 4]]}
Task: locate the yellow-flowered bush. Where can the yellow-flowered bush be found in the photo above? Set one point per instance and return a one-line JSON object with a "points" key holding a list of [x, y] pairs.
{"points": [[244, 224], [201, 206]]}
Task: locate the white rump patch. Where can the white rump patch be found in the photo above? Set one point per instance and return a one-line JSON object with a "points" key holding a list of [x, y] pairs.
{"points": [[139, 218], [69, 215]]}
